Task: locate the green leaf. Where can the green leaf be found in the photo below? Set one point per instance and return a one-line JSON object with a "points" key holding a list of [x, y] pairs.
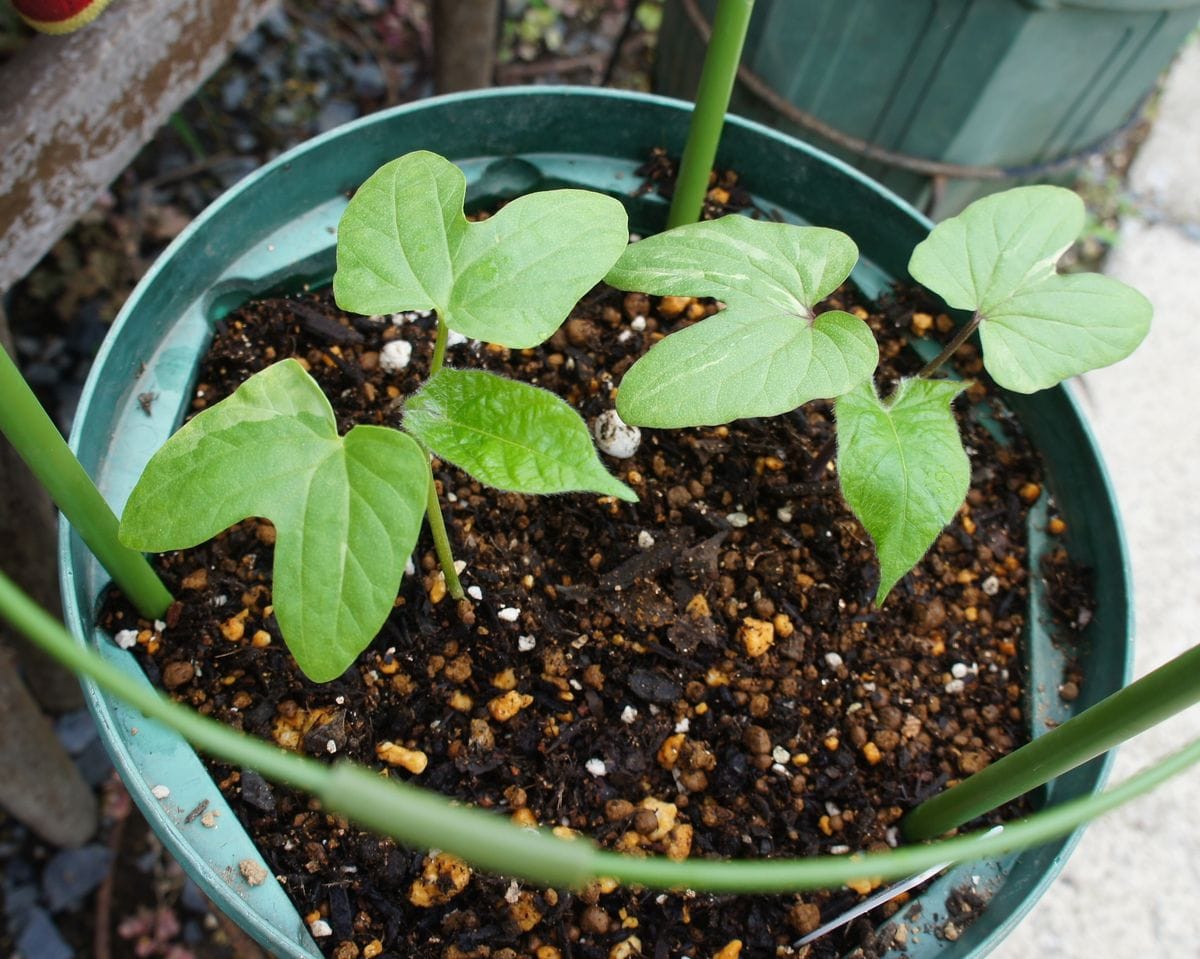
{"points": [[902, 468], [509, 435], [998, 258], [347, 510], [404, 244], [766, 352]]}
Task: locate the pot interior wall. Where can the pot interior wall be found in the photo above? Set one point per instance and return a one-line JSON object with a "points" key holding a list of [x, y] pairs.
{"points": [[276, 229]]}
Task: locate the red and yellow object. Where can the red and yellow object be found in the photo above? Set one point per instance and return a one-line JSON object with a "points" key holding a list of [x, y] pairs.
{"points": [[59, 16]]}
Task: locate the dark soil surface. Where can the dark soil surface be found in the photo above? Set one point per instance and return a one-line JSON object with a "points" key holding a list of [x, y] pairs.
{"points": [[697, 674]]}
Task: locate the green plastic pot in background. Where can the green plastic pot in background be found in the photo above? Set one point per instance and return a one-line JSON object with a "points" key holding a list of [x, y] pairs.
{"points": [[276, 228], [1009, 83]]}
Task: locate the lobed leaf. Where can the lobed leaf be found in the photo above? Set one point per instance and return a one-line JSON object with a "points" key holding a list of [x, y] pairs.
{"points": [[902, 468], [405, 244], [347, 510], [766, 352], [998, 258], [510, 435]]}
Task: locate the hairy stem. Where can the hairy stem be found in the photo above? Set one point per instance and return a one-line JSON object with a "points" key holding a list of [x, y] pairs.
{"points": [[960, 338], [38, 442], [708, 116], [441, 540], [425, 820], [439, 347], [1158, 695]]}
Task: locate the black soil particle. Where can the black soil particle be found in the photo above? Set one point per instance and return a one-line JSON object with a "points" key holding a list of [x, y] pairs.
{"points": [[699, 674]]}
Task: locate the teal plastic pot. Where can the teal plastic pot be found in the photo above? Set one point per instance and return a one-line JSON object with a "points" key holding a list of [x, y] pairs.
{"points": [[276, 228], [1010, 83]]}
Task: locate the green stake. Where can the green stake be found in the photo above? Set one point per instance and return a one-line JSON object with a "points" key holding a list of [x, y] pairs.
{"points": [[41, 446], [708, 115], [1157, 696]]}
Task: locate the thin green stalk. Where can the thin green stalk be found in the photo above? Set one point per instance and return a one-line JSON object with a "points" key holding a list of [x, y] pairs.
{"points": [[1157, 696], [961, 337], [439, 347], [433, 507], [708, 116], [441, 540], [38, 442], [426, 820], [187, 134]]}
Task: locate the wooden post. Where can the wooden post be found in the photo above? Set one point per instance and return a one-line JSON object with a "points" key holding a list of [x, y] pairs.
{"points": [[464, 43], [77, 109]]}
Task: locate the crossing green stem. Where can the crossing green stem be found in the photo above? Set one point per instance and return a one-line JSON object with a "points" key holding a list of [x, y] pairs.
{"points": [[425, 820], [39, 443]]}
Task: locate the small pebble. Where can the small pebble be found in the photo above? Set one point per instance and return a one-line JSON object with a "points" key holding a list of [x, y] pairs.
{"points": [[628, 714], [320, 929], [395, 355], [990, 586], [526, 643], [638, 323], [738, 520], [959, 670], [509, 614], [160, 792], [780, 755], [126, 638], [833, 660], [784, 514], [955, 686], [596, 767], [614, 436], [645, 540], [475, 593]]}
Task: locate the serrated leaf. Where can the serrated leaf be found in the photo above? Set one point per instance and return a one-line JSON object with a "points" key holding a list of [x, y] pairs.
{"points": [[405, 244], [509, 435], [902, 468], [997, 258], [347, 510], [766, 352]]}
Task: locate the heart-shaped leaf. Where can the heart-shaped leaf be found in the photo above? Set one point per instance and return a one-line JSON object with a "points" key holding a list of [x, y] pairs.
{"points": [[998, 259], [510, 435], [347, 510], [404, 244], [766, 352], [902, 468]]}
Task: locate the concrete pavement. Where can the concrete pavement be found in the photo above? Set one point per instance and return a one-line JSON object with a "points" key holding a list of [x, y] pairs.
{"points": [[1132, 886]]}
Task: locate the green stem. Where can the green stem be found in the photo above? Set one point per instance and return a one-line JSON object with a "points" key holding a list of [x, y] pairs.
{"points": [[426, 820], [1166, 691], [439, 347], [41, 446], [433, 508], [441, 540], [961, 337], [708, 117]]}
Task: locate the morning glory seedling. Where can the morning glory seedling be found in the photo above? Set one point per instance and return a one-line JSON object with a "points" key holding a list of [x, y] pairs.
{"points": [[348, 509], [901, 462], [766, 352]]}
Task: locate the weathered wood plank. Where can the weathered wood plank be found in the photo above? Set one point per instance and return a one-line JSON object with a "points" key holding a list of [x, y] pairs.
{"points": [[76, 109]]}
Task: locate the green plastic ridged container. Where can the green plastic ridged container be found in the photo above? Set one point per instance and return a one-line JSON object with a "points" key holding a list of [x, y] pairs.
{"points": [[973, 82], [277, 227]]}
